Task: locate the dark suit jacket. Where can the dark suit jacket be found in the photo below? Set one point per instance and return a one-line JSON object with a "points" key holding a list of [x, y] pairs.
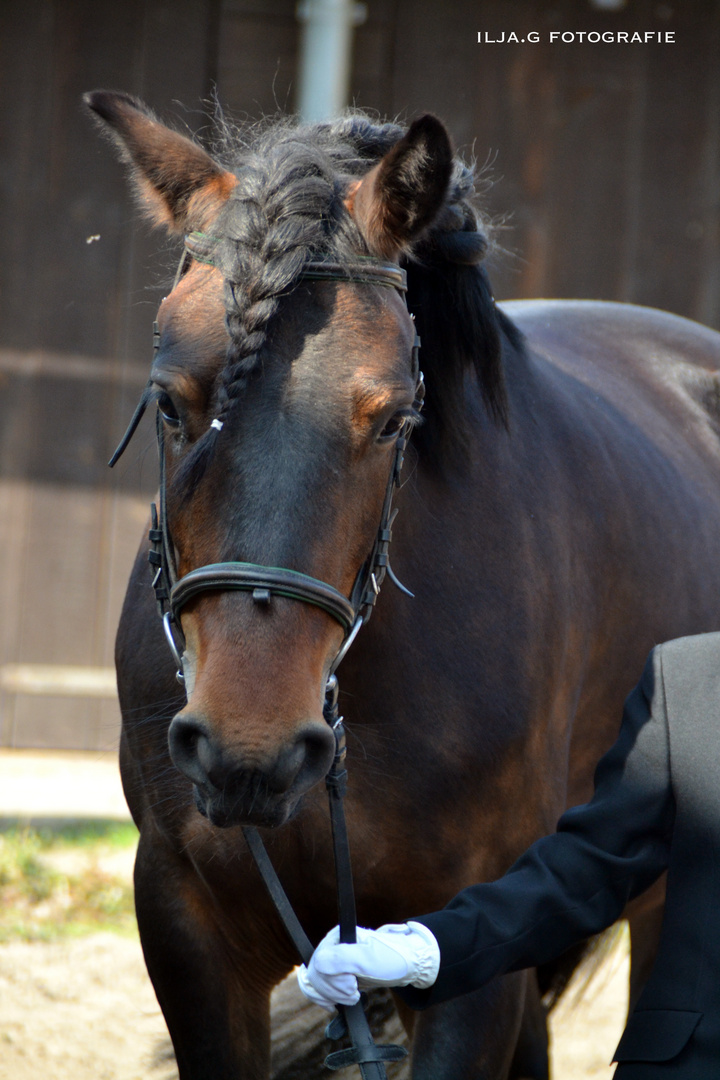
{"points": [[656, 806]]}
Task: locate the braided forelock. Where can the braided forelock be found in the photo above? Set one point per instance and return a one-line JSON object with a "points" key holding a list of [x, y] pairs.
{"points": [[278, 216], [285, 210]]}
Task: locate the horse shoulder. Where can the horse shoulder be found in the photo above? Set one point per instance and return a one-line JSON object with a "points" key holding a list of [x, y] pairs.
{"points": [[598, 329], [647, 362]]}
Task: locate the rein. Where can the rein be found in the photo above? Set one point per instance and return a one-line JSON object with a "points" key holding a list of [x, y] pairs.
{"points": [[264, 582]]}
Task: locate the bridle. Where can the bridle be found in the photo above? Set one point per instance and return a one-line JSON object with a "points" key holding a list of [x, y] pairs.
{"points": [[172, 593]]}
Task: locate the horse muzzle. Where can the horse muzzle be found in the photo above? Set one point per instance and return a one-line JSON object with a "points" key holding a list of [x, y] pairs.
{"points": [[236, 787]]}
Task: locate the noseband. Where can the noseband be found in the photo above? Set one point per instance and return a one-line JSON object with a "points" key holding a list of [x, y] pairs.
{"points": [[264, 583]]}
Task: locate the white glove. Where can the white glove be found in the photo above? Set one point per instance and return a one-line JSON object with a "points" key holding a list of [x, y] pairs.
{"points": [[400, 954]]}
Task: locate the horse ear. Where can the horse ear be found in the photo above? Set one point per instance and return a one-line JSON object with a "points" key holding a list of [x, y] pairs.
{"points": [[401, 196], [178, 183]]}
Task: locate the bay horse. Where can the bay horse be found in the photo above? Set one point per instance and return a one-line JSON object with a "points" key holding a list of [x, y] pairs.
{"points": [[559, 514]]}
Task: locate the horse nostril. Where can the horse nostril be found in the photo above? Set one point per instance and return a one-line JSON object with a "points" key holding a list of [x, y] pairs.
{"points": [[188, 742], [311, 754], [304, 761], [319, 747]]}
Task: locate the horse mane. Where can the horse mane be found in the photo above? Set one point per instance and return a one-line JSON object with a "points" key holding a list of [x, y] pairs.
{"points": [[287, 209]]}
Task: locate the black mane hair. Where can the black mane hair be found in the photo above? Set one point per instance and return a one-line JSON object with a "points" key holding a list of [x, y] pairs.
{"points": [[287, 209]]}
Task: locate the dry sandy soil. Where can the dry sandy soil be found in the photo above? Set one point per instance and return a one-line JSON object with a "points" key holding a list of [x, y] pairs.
{"points": [[85, 1010]]}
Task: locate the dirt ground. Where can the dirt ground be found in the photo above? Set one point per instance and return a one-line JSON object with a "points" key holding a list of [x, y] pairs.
{"points": [[85, 1010]]}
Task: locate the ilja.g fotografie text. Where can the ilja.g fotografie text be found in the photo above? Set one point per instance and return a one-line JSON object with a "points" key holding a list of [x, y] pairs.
{"points": [[568, 37]]}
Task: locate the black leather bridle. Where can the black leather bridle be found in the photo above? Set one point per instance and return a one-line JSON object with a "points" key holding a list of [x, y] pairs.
{"points": [[263, 582]]}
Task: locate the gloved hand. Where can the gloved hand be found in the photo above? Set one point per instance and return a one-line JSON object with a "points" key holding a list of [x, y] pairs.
{"points": [[400, 954]]}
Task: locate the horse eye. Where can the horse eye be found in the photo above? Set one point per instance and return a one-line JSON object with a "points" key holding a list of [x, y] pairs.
{"points": [[393, 426], [167, 409]]}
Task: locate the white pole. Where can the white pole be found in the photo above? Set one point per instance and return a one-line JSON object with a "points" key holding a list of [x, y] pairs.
{"points": [[325, 56]]}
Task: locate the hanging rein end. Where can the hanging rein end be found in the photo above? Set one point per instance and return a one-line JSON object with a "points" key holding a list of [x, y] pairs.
{"points": [[145, 399], [352, 1022], [365, 1055], [137, 416]]}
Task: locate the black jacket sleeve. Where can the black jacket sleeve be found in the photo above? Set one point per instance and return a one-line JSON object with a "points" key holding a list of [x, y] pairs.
{"points": [[575, 882]]}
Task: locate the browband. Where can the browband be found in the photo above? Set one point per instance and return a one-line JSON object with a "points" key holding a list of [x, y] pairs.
{"points": [[374, 273], [364, 269]]}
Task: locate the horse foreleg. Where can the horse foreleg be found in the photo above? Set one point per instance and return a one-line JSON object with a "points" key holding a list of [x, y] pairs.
{"points": [[531, 1058], [476, 1036], [217, 1010]]}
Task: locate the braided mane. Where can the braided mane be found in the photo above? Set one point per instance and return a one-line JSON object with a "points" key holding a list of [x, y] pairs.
{"points": [[287, 209]]}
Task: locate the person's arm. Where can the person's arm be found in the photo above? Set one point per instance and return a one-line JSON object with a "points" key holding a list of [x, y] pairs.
{"points": [[566, 887]]}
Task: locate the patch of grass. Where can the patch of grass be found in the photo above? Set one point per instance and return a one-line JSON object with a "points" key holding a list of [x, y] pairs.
{"points": [[66, 882]]}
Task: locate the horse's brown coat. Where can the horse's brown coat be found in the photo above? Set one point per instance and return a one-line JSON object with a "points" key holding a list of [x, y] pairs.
{"points": [[546, 560]]}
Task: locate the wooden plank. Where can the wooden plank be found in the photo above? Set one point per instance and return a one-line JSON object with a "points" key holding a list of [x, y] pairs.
{"points": [[70, 551], [60, 420], [88, 298], [257, 58], [589, 193], [14, 514], [608, 154], [679, 169], [374, 48]]}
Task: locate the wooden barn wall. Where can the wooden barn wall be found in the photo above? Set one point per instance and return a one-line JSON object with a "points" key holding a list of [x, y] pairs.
{"points": [[603, 181], [80, 279]]}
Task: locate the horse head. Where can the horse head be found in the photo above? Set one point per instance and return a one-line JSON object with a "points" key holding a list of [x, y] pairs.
{"points": [[281, 395]]}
